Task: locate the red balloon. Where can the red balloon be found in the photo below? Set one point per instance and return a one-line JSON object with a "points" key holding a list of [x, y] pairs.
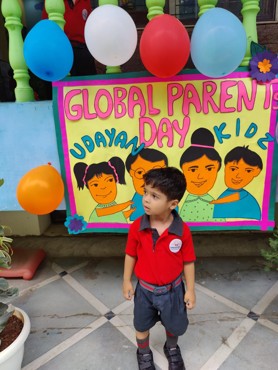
{"points": [[164, 46]]}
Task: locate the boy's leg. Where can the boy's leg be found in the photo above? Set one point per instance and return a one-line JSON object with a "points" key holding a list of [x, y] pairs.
{"points": [[145, 317], [144, 353], [143, 341], [171, 340], [174, 318], [173, 353]]}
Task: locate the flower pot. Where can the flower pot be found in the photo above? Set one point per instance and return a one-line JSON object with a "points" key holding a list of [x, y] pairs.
{"points": [[11, 357]]}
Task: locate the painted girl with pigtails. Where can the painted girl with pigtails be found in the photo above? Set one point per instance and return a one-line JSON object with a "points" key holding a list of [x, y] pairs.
{"points": [[101, 179]]}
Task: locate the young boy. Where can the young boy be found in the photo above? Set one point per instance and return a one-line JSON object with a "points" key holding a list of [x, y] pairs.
{"points": [[159, 249]]}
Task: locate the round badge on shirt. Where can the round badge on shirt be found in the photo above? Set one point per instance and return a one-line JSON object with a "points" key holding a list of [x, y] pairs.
{"points": [[85, 14], [175, 245]]}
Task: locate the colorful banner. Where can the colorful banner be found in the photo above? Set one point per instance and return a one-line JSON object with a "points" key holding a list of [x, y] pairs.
{"points": [[219, 132]]}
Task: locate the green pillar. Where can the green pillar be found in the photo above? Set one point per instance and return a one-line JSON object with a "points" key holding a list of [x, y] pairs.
{"points": [[155, 7], [11, 10], [249, 11], [205, 5], [111, 69], [55, 10], [108, 2]]}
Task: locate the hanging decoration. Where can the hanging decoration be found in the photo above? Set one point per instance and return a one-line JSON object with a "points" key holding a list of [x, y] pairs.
{"points": [[164, 46], [218, 43], [110, 35], [264, 63]]}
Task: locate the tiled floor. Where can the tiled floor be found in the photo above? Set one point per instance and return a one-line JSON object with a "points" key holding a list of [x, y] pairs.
{"points": [[80, 321]]}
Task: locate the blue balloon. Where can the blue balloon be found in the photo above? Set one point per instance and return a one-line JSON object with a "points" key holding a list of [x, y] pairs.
{"points": [[47, 51], [218, 43]]}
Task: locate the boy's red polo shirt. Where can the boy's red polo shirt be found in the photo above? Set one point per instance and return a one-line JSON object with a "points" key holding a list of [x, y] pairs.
{"points": [[163, 262]]}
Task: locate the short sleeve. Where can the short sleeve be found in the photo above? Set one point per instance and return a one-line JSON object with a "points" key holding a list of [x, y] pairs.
{"points": [[188, 251], [132, 240]]}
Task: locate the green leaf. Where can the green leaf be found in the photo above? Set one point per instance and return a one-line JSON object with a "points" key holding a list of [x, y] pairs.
{"points": [[256, 48], [5, 290], [271, 254], [3, 308], [4, 285], [5, 312]]}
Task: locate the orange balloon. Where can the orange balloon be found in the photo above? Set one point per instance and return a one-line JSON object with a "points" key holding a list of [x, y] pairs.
{"points": [[41, 190]]}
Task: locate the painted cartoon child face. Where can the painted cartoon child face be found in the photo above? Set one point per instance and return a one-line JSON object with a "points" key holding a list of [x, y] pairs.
{"points": [[103, 189], [200, 175], [239, 174], [137, 170]]}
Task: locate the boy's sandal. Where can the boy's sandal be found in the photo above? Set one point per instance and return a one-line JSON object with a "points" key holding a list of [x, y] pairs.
{"points": [[174, 358], [145, 361]]}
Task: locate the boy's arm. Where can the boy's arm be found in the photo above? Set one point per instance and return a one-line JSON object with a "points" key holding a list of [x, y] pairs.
{"points": [[189, 275], [128, 290]]}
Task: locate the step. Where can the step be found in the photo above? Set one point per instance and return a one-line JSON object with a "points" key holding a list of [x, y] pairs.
{"points": [[56, 242]]}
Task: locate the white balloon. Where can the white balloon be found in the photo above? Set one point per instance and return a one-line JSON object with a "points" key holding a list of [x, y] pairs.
{"points": [[110, 35]]}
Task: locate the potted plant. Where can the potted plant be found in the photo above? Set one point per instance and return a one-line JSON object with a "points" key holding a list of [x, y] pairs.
{"points": [[271, 254], [14, 322]]}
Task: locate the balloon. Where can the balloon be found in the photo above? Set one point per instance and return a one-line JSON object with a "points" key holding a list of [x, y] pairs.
{"points": [[47, 51], [164, 46], [110, 35], [218, 43], [41, 190]]}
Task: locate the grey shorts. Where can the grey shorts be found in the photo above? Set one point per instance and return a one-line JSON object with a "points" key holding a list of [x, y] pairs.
{"points": [[169, 308]]}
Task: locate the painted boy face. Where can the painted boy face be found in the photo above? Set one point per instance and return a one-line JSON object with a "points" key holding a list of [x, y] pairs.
{"points": [[137, 170], [103, 189], [239, 174], [200, 175], [155, 203]]}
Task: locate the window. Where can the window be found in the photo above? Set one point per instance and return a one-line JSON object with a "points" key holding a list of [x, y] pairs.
{"points": [[267, 10], [187, 10]]}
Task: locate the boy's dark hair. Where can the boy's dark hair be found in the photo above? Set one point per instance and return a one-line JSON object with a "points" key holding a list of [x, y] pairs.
{"points": [[170, 181]]}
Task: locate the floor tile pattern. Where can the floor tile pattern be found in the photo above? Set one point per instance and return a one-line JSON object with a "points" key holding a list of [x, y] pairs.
{"points": [[80, 321]]}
